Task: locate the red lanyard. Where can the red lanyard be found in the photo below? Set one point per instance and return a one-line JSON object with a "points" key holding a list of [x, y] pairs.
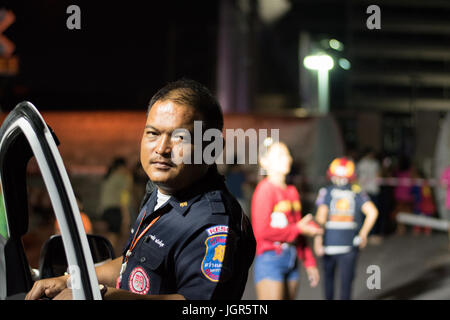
{"points": [[135, 240]]}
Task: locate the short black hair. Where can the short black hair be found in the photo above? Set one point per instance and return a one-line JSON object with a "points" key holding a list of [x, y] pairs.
{"points": [[192, 93]]}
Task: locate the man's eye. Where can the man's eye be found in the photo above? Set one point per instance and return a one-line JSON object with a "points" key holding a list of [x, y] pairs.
{"points": [[178, 138], [151, 133]]}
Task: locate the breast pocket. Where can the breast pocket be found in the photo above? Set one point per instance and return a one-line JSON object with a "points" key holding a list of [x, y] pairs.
{"points": [[151, 254], [149, 274]]}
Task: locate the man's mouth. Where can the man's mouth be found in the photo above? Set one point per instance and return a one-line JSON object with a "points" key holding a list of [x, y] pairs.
{"points": [[161, 164]]}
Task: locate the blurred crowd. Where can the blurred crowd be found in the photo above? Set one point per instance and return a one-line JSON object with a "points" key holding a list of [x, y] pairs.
{"points": [[394, 185], [121, 190]]}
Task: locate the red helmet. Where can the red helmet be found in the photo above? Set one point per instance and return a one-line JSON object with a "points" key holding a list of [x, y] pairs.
{"points": [[342, 168]]}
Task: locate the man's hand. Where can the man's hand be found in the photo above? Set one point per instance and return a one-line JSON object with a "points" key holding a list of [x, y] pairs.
{"points": [[47, 287], [66, 294], [313, 276], [363, 238], [308, 227]]}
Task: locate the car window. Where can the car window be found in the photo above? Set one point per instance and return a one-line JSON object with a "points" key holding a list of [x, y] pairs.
{"points": [[42, 219]]}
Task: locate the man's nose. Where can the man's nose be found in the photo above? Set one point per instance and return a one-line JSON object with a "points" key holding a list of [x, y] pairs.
{"points": [[164, 145]]}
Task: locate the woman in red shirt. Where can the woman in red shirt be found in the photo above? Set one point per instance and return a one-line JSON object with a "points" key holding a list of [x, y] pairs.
{"points": [[279, 230]]}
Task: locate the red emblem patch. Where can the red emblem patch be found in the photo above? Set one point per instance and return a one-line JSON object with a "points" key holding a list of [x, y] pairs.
{"points": [[139, 281]]}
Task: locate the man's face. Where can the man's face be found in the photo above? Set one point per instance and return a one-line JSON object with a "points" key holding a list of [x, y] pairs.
{"points": [[164, 146]]}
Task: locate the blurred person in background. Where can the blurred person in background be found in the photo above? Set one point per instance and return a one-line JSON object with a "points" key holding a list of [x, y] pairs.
{"points": [[423, 203], [114, 202], [367, 171], [341, 208], [445, 183], [84, 219], [402, 192], [279, 229], [386, 200]]}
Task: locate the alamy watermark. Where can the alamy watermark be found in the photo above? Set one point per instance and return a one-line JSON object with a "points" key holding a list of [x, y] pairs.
{"points": [[208, 145], [374, 280], [73, 22], [374, 20]]}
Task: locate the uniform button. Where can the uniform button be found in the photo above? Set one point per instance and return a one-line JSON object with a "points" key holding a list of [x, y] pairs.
{"points": [[143, 259]]}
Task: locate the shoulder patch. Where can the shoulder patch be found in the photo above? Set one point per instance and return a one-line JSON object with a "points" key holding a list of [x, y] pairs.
{"points": [[217, 229], [213, 260], [139, 282]]}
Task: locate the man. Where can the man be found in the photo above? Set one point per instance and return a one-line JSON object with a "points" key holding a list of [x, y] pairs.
{"points": [[191, 239], [347, 215], [368, 170]]}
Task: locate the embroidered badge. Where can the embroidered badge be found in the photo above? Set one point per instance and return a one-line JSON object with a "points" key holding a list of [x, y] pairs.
{"points": [[139, 281], [217, 229], [213, 260]]}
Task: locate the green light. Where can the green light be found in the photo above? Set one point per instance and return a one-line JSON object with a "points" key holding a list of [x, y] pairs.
{"points": [[336, 45], [344, 64]]}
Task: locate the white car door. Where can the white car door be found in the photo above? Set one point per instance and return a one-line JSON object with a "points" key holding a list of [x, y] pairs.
{"points": [[25, 134]]}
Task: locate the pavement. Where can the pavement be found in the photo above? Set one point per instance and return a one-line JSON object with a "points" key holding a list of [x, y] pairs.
{"points": [[411, 267]]}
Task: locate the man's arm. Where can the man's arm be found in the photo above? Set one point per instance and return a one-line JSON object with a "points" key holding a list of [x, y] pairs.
{"points": [[321, 218], [51, 287], [108, 272], [371, 213]]}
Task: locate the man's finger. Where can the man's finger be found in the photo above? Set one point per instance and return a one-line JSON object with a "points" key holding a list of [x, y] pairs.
{"points": [[35, 292], [65, 294], [307, 218]]}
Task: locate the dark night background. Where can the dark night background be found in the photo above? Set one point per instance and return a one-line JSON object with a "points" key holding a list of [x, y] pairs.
{"points": [[125, 51], [122, 54]]}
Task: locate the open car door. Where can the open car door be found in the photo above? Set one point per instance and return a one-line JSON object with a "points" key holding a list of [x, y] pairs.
{"points": [[25, 134]]}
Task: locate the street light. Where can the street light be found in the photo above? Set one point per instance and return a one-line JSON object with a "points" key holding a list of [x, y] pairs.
{"points": [[322, 63]]}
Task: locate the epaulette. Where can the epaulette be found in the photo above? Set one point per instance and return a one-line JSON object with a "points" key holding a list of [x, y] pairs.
{"points": [[356, 188], [149, 188], [216, 202]]}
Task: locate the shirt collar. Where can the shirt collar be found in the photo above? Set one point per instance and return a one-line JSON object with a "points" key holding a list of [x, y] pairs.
{"points": [[183, 199]]}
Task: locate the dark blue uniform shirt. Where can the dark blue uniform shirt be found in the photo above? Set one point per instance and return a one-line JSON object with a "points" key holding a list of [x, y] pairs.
{"points": [[201, 247], [345, 218]]}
